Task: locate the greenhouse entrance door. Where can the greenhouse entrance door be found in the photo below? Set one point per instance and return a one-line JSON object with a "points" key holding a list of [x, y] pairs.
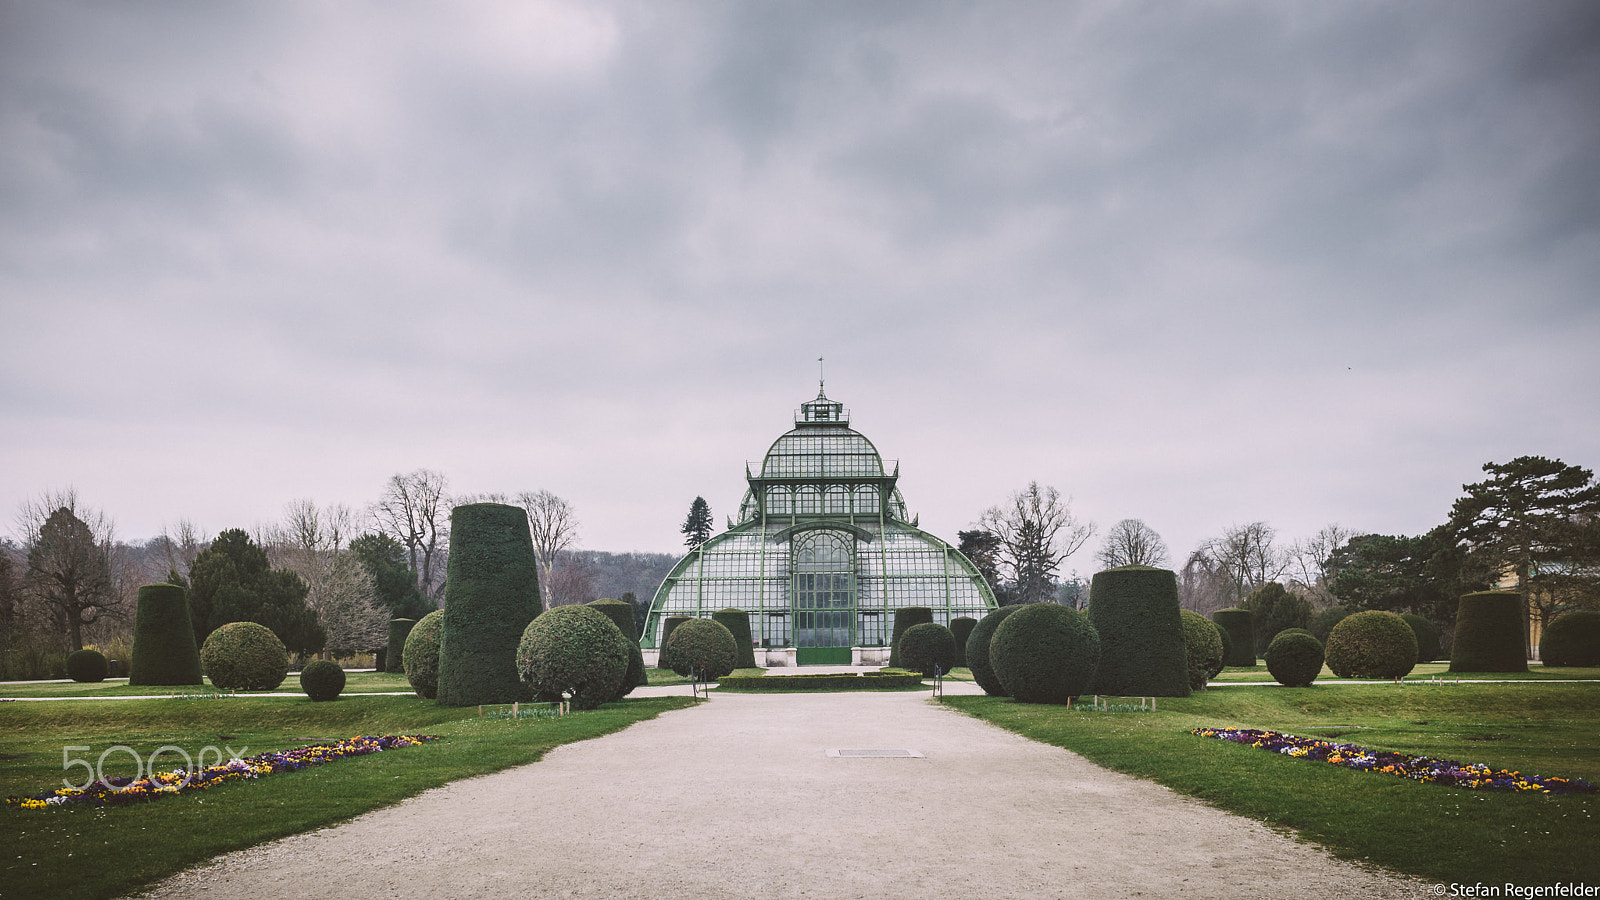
{"points": [[824, 598]]}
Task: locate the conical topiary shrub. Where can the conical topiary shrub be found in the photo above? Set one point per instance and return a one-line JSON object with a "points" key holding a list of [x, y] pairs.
{"points": [[491, 593], [904, 618], [164, 651], [1489, 634], [394, 656], [1134, 609], [961, 629], [737, 621], [978, 651], [621, 615], [1241, 635]]}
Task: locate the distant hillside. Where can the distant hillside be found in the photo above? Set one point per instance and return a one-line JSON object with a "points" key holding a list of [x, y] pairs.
{"points": [[614, 574]]}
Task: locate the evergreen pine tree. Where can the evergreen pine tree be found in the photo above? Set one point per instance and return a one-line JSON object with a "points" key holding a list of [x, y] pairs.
{"points": [[697, 528]]}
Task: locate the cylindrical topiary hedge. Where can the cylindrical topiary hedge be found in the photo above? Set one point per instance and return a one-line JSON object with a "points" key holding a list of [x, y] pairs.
{"points": [[244, 656], [904, 618], [1045, 653], [621, 615], [701, 646], [87, 666], [422, 654], [929, 648], [961, 629], [737, 621], [1573, 639], [1427, 637], [668, 625], [395, 653], [1294, 658], [1202, 643], [978, 651], [1489, 635], [491, 593], [1134, 610], [322, 680], [575, 652], [164, 651], [1372, 644], [1241, 635]]}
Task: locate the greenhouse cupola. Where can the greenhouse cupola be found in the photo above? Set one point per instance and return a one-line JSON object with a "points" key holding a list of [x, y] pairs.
{"points": [[822, 552]]}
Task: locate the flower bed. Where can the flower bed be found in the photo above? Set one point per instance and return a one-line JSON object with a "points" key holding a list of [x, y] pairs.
{"points": [[124, 791], [1417, 768]]}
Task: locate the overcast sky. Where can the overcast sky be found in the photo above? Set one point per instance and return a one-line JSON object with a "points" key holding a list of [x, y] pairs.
{"points": [[1198, 264]]}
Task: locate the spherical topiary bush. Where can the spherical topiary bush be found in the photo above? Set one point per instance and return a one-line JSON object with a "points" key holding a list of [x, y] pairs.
{"points": [[1294, 658], [1304, 631], [1427, 637], [1573, 639], [1489, 635], [422, 654], [574, 652], [322, 680], [1372, 644], [244, 656], [87, 665], [1241, 635], [961, 629], [164, 650], [978, 644], [701, 646], [929, 648], [904, 618], [1134, 610], [394, 659], [621, 615], [491, 593], [1045, 653], [1202, 642], [668, 625], [737, 621]]}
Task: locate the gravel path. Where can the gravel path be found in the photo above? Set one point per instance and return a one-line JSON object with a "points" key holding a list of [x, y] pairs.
{"points": [[738, 797]]}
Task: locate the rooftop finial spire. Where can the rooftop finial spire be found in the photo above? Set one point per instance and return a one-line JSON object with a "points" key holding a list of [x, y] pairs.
{"points": [[821, 382]]}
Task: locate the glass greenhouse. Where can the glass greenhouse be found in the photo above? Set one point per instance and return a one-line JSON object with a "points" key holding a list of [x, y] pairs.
{"points": [[823, 551]]}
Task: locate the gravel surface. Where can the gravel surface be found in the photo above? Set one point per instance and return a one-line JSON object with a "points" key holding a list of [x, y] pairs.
{"points": [[738, 797]]}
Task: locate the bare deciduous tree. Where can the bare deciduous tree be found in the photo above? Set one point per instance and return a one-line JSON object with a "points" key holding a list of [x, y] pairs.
{"points": [[1244, 558], [415, 510], [72, 564], [553, 524], [571, 581], [348, 608], [1037, 532], [181, 544], [1308, 561], [1132, 543]]}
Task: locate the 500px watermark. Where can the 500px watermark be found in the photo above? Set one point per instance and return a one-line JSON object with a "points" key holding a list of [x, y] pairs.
{"points": [[1559, 889], [143, 765]]}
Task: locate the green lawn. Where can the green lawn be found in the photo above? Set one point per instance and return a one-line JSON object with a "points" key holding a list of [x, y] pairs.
{"points": [[85, 852], [1424, 672], [1440, 833], [355, 682]]}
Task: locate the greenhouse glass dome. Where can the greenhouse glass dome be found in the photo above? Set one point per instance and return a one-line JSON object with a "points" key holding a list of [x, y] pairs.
{"points": [[823, 551]]}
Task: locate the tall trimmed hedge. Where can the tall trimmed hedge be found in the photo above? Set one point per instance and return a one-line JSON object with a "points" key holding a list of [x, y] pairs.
{"points": [[1372, 644], [737, 621], [621, 615], [929, 648], [422, 655], [164, 651], [1427, 637], [576, 652], [395, 654], [1573, 639], [1045, 653], [961, 629], [244, 656], [1203, 648], [1489, 634], [1134, 610], [491, 593], [668, 625], [904, 618], [1241, 635], [978, 651]]}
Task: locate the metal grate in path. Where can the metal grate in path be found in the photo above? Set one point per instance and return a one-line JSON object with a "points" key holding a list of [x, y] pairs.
{"points": [[875, 753]]}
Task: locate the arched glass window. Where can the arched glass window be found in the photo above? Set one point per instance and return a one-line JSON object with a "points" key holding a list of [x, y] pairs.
{"points": [[824, 589], [779, 501], [838, 500], [808, 501], [866, 500]]}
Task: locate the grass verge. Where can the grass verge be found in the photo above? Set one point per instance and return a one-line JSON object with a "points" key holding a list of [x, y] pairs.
{"points": [[1445, 834], [355, 683], [1422, 673], [90, 852]]}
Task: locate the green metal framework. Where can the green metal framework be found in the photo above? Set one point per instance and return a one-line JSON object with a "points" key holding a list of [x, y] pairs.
{"points": [[823, 551]]}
